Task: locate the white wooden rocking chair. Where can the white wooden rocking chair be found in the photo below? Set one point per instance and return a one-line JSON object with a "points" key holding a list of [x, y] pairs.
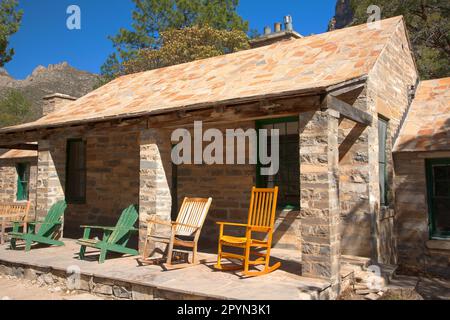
{"points": [[185, 231]]}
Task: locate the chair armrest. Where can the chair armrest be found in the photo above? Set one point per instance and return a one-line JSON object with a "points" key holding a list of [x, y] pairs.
{"points": [[158, 221], [99, 228], [35, 222], [233, 224], [42, 223]]}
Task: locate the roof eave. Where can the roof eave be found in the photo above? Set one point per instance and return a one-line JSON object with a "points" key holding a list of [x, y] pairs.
{"points": [[194, 107]]}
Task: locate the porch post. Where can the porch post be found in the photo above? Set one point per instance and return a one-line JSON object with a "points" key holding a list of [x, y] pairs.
{"points": [[319, 182], [50, 175], [155, 182]]}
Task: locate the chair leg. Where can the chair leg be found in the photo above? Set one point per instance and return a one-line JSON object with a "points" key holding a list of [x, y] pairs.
{"points": [[219, 257], [82, 252], [247, 257], [27, 245], [170, 252], [194, 254], [102, 257]]}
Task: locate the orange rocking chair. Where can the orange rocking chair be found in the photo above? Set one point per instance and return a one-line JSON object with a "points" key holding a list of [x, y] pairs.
{"points": [[261, 219]]}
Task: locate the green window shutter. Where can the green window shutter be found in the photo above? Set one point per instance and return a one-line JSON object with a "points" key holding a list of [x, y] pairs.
{"points": [[382, 140], [23, 180], [438, 187], [76, 171]]}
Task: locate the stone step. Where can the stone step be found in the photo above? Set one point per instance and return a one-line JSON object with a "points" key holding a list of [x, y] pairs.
{"points": [[388, 271], [361, 262], [372, 296]]}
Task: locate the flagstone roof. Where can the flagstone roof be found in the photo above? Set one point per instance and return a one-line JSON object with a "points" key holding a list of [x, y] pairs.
{"points": [[309, 64], [13, 154], [427, 126]]}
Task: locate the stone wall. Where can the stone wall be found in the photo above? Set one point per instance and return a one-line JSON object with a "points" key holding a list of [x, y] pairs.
{"points": [[415, 249], [8, 181], [112, 180], [230, 187], [112, 176], [388, 90]]}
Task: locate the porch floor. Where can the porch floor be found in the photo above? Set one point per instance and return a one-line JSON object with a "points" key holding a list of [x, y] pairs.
{"points": [[200, 281]]}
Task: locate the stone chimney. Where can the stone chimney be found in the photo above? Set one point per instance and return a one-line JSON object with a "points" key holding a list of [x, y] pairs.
{"points": [[279, 34], [55, 101]]}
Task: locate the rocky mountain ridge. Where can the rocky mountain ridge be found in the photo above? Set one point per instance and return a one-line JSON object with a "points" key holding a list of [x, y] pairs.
{"points": [[56, 78]]}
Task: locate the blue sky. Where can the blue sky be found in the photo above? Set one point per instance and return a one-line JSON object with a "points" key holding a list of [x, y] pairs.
{"points": [[44, 39]]}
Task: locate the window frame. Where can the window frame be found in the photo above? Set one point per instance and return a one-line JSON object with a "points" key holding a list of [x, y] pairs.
{"points": [[25, 193], [384, 198], [70, 198], [429, 163], [259, 124]]}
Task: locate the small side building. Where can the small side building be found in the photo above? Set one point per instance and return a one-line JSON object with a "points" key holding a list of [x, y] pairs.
{"points": [[18, 172], [422, 181]]}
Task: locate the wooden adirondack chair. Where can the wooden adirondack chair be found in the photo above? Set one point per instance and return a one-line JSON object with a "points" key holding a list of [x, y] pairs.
{"points": [[185, 231], [261, 219], [114, 239], [48, 231]]}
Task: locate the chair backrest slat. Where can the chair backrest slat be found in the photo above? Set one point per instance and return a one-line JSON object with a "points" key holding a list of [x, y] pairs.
{"points": [[125, 223], [193, 212], [54, 216], [263, 205], [18, 210]]}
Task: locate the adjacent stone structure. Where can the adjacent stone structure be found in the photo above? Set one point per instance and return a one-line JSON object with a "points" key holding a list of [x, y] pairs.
{"points": [[424, 138], [9, 176]]}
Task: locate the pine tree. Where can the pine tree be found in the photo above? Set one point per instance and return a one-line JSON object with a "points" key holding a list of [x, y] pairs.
{"points": [[185, 45], [10, 19], [152, 17], [428, 23]]}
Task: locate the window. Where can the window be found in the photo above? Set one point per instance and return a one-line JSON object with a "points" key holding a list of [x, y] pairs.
{"points": [[288, 176], [23, 181], [382, 141], [76, 171], [438, 185]]}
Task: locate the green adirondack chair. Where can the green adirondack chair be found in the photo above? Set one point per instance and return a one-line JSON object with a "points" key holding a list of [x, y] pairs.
{"points": [[48, 231], [115, 238]]}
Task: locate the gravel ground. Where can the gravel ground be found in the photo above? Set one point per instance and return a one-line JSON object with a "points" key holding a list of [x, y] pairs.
{"points": [[16, 289]]}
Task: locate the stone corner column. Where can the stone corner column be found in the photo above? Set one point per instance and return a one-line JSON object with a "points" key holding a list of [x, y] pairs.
{"points": [[319, 184], [51, 171], [155, 184]]}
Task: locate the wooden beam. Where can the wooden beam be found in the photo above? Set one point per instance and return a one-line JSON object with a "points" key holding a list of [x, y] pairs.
{"points": [[235, 114], [20, 146], [347, 86], [346, 110]]}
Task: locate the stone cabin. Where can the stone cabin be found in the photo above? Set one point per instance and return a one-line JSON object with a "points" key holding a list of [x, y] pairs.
{"points": [[338, 99]]}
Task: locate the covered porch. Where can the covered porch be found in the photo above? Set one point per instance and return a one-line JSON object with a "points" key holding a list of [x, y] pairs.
{"points": [[122, 278], [128, 161]]}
